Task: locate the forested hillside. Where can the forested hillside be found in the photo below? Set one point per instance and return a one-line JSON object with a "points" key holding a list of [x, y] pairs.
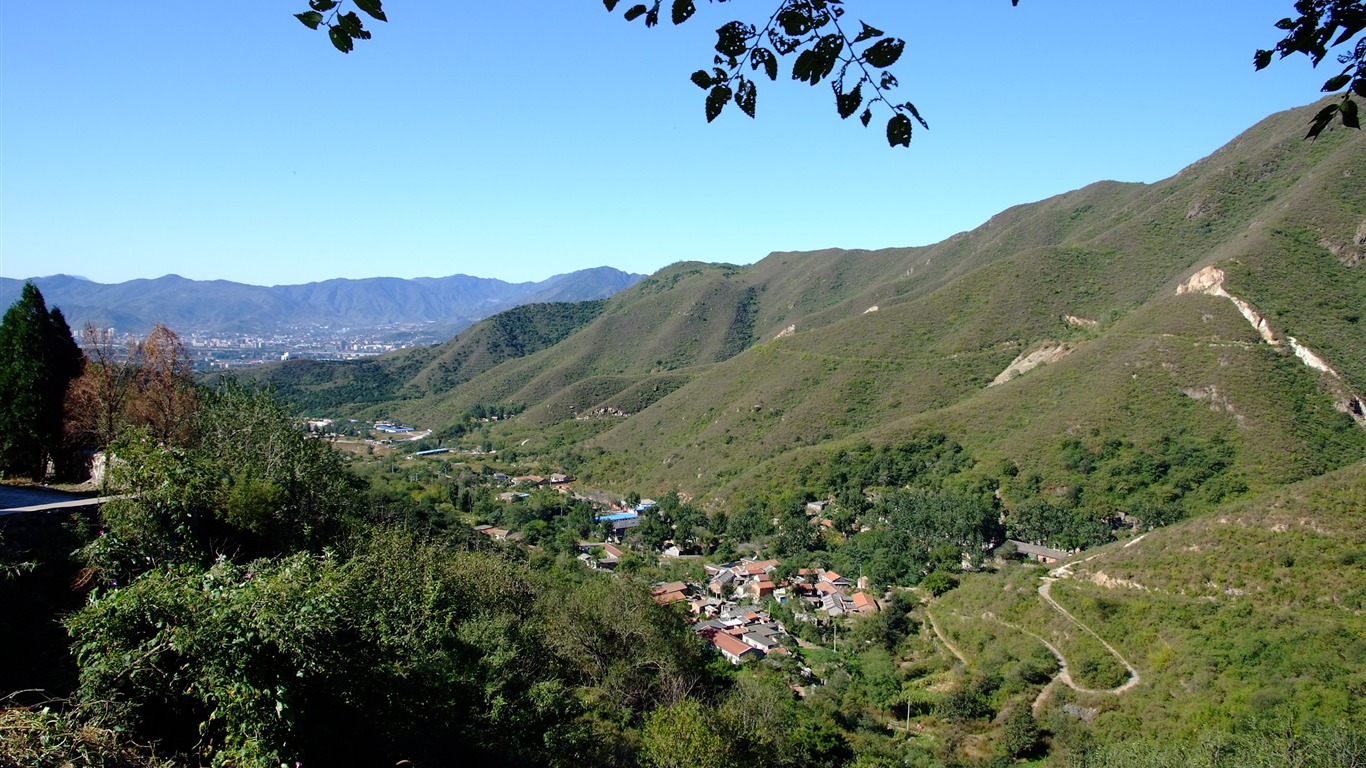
{"points": [[710, 378], [1080, 487]]}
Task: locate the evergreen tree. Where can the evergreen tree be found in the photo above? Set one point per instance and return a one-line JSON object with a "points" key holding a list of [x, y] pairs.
{"points": [[38, 358]]}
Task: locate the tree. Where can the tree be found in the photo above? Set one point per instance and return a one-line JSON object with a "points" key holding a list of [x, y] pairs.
{"points": [[810, 34], [1321, 26], [681, 735], [38, 359], [1020, 735], [97, 400], [165, 383]]}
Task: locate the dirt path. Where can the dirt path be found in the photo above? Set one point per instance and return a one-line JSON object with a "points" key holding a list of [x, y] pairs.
{"points": [[945, 640], [1064, 675], [1134, 677]]}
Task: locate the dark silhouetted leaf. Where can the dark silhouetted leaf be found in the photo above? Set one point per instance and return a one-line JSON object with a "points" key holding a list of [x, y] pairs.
{"points": [[764, 57], [1349, 114], [803, 67], [701, 79], [310, 19], [916, 114], [884, 52], [868, 33], [1321, 121], [1261, 59], [611, 4], [351, 24], [899, 131], [635, 12], [716, 101], [1359, 87], [745, 96], [795, 21], [828, 51], [683, 10], [732, 39], [340, 40], [652, 15], [866, 117], [372, 8], [1337, 83], [848, 103], [322, 5]]}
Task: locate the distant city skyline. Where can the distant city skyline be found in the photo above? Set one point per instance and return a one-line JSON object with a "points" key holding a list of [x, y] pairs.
{"points": [[551, 137]]}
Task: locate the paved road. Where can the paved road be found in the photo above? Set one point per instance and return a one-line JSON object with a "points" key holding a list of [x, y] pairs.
{"points": [[17, 499]]}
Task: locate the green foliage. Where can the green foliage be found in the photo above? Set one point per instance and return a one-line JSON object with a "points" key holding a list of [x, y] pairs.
{"points": [[401, 646], [682, 735], [38, 358], [938, 582], [1020, 733], [970, 699], [252, 484], [48, 736], [1322, 26], [1262, 746]]}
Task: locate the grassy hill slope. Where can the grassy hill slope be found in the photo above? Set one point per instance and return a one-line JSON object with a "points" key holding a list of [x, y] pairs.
{"points": [[727, 382], [1259, 608]]}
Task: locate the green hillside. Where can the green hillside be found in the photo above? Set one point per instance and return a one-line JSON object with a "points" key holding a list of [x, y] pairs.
{"points": [[730, 383], [1256, 610]]}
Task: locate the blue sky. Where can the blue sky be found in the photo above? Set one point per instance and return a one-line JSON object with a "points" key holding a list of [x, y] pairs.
{"points": [[525, 138]]}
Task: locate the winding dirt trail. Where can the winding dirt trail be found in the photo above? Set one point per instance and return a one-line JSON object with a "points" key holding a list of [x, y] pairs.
{"points": [[1134, 677], [944, 639], [1064, 675]]}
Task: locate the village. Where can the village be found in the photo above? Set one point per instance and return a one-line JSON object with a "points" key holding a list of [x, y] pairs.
{"points": [[746, 608]]}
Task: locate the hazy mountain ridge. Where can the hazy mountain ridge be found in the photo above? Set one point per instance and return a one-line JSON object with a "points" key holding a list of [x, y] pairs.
{"points": [[852, 345], [229, 307]]}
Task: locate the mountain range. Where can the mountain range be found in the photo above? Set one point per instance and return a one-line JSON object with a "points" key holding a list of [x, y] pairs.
{"points": [[1186, 356], [221, 306], [1122, 312]]}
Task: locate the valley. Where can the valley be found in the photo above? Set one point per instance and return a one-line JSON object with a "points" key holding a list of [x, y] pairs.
{"points": [[1083, 486]]}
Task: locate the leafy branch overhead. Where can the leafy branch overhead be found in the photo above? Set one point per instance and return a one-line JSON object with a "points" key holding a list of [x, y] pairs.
{"points": [[815, 37], [824, 47], [343, 29], [1323, 25]]}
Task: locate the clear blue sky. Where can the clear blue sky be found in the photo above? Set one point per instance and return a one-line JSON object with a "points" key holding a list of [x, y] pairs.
{"points": [[523, 138]]}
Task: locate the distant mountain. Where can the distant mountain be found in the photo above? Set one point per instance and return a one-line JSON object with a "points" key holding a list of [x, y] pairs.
{"points": [[723, 381], [222, 306]]}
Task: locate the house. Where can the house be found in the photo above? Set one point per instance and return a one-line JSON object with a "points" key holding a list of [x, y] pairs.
{"points": [[864, 603], [755, 567], [528, 480], [721, 583], [816, 507], [826, 588], [670, 592], [837, 604], [734, 649], [1041, 553], [620, 521], [558, 479], [835, 579], [607, 554], [760, 588]]}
